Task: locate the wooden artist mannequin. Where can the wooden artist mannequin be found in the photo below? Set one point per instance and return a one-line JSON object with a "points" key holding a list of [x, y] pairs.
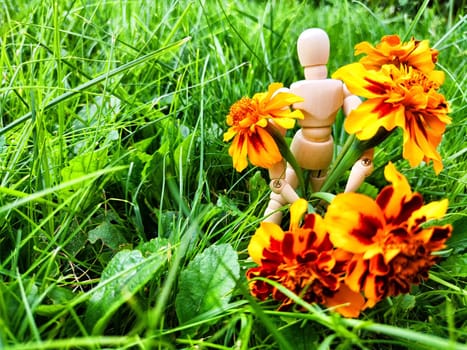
{"points": [[313, 145]]}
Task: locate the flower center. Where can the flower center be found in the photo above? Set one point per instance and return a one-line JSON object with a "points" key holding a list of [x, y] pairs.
{"points": [[418, 78], [241, 110]]}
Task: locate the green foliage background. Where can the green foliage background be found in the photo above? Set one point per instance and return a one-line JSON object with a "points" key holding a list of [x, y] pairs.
{"points": [[114, 176]]}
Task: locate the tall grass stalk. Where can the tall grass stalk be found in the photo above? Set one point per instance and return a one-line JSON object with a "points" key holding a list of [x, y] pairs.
{"points": [[111, 129]]}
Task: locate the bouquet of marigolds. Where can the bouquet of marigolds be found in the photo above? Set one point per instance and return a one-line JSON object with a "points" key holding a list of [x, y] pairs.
{"points": [[357, 250]]}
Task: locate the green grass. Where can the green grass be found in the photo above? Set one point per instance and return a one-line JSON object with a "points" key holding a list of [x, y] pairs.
{"points": [[114, 178]]}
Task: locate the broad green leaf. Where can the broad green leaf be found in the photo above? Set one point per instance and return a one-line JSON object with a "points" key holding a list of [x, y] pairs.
{"points": [[76, 243], [456, 265], [58, 299], [166, 223], [144, 144], [404, 303], [154, 246], [458, 240], [368, 189], [207, 282], [183, 154], [102, 112], [108, 234], [227, 204], [126, 273], [257, 186], [160, 165], [83, 165], [154, 172], [300, 336]]}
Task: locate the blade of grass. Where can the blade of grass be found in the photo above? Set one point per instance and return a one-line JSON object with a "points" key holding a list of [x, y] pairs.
{"points": [[64, 185], [95, 81], [415, 21], [428, 340]]}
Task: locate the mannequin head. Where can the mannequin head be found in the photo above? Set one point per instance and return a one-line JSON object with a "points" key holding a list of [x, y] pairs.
{"points": [[313, 52]]}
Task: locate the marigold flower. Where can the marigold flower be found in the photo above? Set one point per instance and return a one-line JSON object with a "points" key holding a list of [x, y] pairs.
{"points": [[391, 50], [388, 238], [248, 119], [303, 260], [399, 97]]}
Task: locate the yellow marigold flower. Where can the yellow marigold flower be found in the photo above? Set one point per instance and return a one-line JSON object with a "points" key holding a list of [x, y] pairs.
{"points": [[303, 260], [390, 244], [399, 97], [248, 119], [391, 50]]}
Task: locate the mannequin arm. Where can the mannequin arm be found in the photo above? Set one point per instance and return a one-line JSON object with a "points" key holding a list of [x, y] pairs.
{"points": [[350, 101], [361, 169]]}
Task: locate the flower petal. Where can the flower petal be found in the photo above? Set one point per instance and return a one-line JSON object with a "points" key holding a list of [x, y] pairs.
{"points": [[369, 116], [264, 238], [297, 210], [356, 274], [391, 198], [347, 302], [238, 151], [353, 227], [262, 149], [229, 134], [363, 82], [421, 57], [430, 211]]}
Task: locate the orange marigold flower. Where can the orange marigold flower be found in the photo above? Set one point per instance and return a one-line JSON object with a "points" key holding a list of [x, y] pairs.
{"points": [[391, 50], [248, 119], [403, 97], [303, 260], [391, 245]]}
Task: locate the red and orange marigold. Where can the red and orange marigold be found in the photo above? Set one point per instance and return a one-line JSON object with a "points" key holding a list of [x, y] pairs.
{"points": [[303, 260], [248, 121], [400, 87], [398, 97], [389, 240], [391, 50]]}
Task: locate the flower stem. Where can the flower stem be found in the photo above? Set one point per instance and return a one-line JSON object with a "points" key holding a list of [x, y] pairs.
{"points": [[349, 154], [289, 157], [351, 151]]}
